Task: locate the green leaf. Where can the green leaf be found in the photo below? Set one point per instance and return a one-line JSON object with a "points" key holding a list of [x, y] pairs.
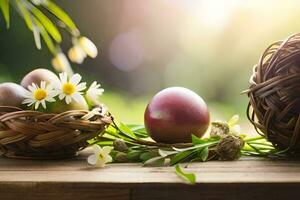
{"points": [[148, 155], [4, 5], [204, 154], [26, 14], [127, 131], [155, 162], [45, 36], [189, 177], [196, 140], [134, 155], [164, 153], [210, 142], [60, 14], [139, 130], [46, 22], [181, 157]]}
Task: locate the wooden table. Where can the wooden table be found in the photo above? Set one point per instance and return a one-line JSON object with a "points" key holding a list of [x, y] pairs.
{"points": [[73, 179]]}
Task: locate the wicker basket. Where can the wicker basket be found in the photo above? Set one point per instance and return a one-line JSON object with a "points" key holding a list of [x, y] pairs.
{"points": [[274, 107], [37, 135]]}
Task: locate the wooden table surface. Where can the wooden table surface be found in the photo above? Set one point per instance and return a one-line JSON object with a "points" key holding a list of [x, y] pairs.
{"points": [[73, 179]]}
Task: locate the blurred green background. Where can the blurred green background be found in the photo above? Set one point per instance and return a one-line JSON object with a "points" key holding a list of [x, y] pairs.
{"points": [[145, 46]]}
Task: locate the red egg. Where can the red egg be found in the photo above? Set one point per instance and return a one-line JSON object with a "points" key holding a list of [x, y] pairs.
{"points": [[174, 114]]}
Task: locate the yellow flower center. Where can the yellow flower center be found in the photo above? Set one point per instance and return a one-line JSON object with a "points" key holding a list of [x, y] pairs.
{"points": [[68, 88], [40, 94]]}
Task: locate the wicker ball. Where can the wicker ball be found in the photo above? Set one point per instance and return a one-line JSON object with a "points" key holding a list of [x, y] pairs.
{"points": [[37, 135], [274, 107]]}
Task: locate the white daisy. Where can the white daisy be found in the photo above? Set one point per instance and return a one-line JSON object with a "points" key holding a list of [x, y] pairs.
{"points": [[94, 92], [39, 95], [70, 89], [101, 156]]}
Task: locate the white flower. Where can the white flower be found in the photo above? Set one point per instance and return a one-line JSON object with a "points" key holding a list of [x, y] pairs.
{"points": [[70, 89], [76, 54], [39, 95], [82, 47], [94, 92], [233, 126], [61, 63], [101, 156], [88, 47]]}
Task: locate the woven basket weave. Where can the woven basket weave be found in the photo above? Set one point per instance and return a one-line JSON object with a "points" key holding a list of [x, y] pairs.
{"points": [[37, 135], [274, 107]]}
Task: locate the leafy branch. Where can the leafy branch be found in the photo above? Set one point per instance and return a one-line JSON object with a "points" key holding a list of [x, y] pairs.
{"points": [[132, 144], [44, 18]]}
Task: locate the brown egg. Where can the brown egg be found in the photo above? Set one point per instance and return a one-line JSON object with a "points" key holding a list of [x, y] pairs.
{"points": [[38, 75], [11, 94]]}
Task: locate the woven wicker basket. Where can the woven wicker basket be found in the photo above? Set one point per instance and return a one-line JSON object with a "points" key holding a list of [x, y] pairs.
{"points": [[274, 107], [37, 135]]}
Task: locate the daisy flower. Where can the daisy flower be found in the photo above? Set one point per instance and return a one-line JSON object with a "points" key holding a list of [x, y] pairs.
{"points": [[101, 156], [94, 92], [70, 89], [39, 95]]}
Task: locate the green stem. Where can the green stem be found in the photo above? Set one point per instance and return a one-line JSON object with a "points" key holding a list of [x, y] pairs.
{"points": [[254, 139]]}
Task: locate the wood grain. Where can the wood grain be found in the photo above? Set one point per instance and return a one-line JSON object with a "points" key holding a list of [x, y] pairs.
{"points": [[74, 179]]}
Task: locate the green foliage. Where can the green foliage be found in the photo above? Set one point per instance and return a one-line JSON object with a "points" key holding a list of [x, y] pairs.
{"points": [[60, 14], [4, 5], [155, 162], [47, 23], [189, 177], [26, 14], [143, 149], [39, 21]]}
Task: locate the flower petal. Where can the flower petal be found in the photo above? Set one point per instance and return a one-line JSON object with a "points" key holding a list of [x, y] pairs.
{"points": [[68, 99], [43, 102], [97, 149], [63, 77], [77, 97], [92, 160], [100, 163], [233, 120], [37, 105], [31, 88], [88, 46], [26, 101], [50, 99], [75, 79], [107, 149], [108, 158], [76, 54], [27, 94], [81, 86], [43, 85]]}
